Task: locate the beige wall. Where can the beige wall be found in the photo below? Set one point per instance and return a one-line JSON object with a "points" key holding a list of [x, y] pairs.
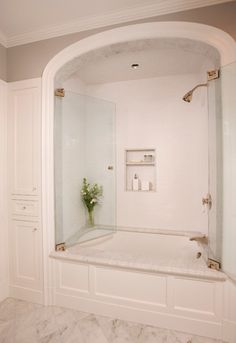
{"points": [[3, 63], [29, 60]]}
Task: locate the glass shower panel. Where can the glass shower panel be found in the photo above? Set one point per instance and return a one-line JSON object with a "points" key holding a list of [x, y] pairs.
{"points": [[228, 86], [215, 170], [84, 147]]}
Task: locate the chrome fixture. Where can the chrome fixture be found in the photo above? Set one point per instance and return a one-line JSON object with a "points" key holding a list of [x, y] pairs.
{"points": [[60, 92], [60, 246], [188, 96], [213, 264], [135, 66], [199, 254], [211, 75], [200, 238], [207, 201]]}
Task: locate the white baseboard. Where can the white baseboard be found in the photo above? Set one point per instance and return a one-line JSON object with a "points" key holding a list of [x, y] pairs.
{"points": [[229, 331], [163, 320], [26, 294]]}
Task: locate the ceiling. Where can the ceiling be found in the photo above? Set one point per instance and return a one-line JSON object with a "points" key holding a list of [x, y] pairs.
{"points": [[156, 57], [27, 21]]}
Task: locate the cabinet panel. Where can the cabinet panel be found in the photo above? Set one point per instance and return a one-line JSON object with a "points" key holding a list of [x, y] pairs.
{"points": [[26, 255], [131, 286], [24, 136], [24, 208]]}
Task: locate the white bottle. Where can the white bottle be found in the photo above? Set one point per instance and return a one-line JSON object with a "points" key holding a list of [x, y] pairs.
{"points": [[135, 183], [145, 186]]}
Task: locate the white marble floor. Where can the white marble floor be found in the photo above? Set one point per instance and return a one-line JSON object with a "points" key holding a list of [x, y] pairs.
{"points": [[24, 322]]}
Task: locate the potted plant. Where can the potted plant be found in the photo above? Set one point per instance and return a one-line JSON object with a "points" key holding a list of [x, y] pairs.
{"points": [[90, 196]]}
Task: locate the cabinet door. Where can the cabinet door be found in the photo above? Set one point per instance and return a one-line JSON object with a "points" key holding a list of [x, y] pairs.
{"points": [[24, 136], [26, 258]]}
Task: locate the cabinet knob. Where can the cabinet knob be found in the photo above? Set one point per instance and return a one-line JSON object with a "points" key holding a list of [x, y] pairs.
{"points": [[23, 207], [110, 167], [34, 189], [35, 229]]}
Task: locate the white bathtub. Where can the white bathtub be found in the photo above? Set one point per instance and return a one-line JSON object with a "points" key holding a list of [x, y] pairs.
{"points": [[150, 251], [144, 277]]}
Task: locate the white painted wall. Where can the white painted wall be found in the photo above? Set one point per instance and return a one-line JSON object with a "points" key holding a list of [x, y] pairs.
{"points": [[151, 113], [3, 193]]}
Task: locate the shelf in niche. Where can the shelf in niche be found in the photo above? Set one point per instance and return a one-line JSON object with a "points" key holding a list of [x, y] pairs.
{"points": [[140, 191], [136, 158], [140, 163]]}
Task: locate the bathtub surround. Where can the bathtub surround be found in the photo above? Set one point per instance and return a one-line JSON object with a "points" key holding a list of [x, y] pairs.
{"points": [[130, 33], [26, 322], [142, 277]]}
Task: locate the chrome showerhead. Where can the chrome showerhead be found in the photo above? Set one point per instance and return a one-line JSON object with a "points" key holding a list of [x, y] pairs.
{"points": [[188, 96]]}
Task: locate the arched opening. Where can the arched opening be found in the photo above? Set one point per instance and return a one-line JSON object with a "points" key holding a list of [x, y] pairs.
{"points": [[213, 37]]}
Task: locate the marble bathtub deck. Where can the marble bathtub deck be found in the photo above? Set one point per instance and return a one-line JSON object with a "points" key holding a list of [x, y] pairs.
{"points": [[24, 322], [184, 264]]}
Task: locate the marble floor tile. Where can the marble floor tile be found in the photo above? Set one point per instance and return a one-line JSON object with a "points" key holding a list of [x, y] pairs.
{"points": [[24, 322]]}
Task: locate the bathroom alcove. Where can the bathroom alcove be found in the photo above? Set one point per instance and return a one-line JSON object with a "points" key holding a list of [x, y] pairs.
{"points": [[69, 59]]}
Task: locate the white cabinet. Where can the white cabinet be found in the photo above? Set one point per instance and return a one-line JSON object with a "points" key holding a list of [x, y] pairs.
{"points": [[25, 240], [24, 136], [22, 209], [24, 156]]}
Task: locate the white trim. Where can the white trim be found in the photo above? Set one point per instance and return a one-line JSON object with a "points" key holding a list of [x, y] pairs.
{"points": [[4, 260], [207, 34], [110, 18], [26, 294]]}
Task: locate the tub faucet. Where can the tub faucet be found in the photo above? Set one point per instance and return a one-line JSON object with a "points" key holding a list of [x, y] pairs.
{"points": [[201, 239]]}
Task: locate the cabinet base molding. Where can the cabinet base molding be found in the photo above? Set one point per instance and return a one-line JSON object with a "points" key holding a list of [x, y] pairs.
{"points": [[26, 294]]}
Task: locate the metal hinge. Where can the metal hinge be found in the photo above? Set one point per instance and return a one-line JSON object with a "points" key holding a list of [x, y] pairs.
{"points": [[213, 264], [60, 246], [60, 92], [213, 74]]}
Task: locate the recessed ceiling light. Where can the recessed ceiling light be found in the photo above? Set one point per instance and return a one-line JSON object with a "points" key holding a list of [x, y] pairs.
{"points": [[135, 66]]}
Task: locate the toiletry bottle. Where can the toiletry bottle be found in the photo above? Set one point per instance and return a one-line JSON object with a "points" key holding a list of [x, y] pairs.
{"points": [[135, 183]]}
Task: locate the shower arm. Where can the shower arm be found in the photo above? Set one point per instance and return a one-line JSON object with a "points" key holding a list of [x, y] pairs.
{"points": [[200, 85]]}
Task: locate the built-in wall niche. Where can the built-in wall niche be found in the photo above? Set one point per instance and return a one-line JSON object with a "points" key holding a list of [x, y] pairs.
{"points": [[140, 170]]}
